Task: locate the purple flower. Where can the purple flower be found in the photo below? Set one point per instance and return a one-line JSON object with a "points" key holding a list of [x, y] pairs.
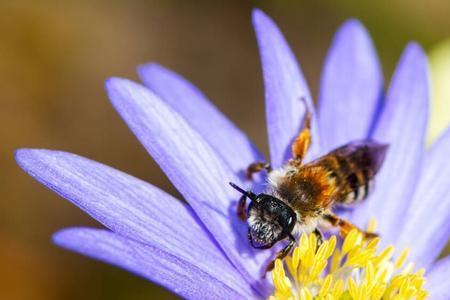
{"points": [[201, 251]]}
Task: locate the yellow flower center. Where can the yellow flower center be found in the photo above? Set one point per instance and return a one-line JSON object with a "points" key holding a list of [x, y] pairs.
{"points": [[356, 270]]}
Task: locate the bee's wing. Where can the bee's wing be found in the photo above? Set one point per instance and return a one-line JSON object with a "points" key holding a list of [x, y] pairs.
{"points": [[365, 154], [357, 164]]}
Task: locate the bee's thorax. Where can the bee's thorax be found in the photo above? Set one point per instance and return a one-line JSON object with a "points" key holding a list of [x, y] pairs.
{"points": [[306, 190]]}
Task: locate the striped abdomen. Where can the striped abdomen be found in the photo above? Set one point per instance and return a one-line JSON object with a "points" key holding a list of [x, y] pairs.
{"points": [[352, 167]]}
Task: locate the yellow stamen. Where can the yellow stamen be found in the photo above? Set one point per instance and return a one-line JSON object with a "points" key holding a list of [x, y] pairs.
{"points": [[357, 271], [402, 258], [372, 226]]}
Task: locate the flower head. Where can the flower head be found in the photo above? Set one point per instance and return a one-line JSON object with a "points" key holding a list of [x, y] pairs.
{"points": [[357, 270], [201, 251]]}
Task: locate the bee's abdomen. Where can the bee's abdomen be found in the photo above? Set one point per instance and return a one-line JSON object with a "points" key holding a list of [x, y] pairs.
{"points": [[354, 166], [355, 182]]}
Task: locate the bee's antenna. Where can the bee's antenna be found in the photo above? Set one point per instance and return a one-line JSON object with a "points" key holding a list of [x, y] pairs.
{"points": [[249, 195]]}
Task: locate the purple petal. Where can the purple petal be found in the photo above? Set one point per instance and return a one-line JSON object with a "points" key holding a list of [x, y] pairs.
{"points": [[351, 87], [437, 280], [426, 230], [173, 272], [230, 142], [194, 168], [127, 205], [402, 125], [285, 87]]}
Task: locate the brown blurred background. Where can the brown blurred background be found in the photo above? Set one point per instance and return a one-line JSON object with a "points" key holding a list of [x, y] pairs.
{"points": [[54, 58]]}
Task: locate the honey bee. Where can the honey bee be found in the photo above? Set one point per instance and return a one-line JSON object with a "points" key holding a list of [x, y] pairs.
{"points": [[300, 197]]}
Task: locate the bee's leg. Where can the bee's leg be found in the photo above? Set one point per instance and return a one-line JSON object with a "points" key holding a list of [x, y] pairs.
{"points": [[242, 213], [319, 237], [303, 141], [257, 167], [345, 226], [282, 254]]}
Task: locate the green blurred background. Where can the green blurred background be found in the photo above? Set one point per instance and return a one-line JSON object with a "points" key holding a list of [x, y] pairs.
{"points": [[54, 58]]}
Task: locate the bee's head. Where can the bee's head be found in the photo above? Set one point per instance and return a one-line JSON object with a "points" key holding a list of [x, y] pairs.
{"points": [[269, 219]]}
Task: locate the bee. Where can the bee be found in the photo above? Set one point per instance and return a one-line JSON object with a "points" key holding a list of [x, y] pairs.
{"points": [[300, 197]]}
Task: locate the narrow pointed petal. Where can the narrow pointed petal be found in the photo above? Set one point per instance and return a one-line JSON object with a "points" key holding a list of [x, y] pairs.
{"points": [[437, 280], [426, 230], [402, 125], [351, 87], [285, 87], [126, 205], [175, 273], [192, 165], [230, 142]]}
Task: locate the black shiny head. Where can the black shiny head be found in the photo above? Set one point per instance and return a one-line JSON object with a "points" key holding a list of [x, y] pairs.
{"points": [[269, 219]]}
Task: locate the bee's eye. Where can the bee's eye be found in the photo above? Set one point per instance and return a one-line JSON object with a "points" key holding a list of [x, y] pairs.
{"points": [[290, 220]]}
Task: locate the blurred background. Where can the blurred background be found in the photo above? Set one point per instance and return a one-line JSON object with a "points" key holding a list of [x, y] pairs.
{"points": [[54, 58]]}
